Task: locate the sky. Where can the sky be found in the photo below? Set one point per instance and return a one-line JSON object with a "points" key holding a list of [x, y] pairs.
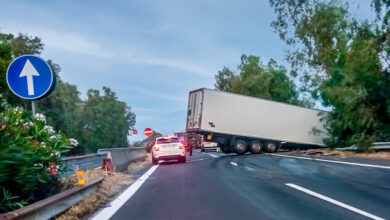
{"points": [[151, 53]]}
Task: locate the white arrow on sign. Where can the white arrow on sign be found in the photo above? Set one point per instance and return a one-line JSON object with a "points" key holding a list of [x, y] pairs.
{"points": [[29, 71]]}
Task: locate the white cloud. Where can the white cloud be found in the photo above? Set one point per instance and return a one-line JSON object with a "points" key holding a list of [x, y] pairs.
{"points": [[173, 97], [145, 110], [61, 40], [177, 63]]}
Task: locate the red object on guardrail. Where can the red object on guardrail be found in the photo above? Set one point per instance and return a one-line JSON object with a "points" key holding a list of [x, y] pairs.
{"points": [[108, 166]]}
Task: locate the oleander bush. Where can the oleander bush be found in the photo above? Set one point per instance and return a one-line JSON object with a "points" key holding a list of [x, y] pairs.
{"points": [[30, 157]]}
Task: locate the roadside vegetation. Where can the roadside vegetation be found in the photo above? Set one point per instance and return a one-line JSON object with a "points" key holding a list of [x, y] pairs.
{"points": [[341, 62], [31, 146], [30, 157]]}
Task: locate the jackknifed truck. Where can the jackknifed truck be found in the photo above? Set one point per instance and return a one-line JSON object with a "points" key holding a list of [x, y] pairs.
{"points": [[240, 123]]}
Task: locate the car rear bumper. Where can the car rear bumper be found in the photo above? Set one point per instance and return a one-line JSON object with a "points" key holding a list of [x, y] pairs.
{"points": [[170, 157]]}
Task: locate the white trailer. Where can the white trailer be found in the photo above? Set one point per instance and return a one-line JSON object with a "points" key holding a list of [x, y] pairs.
{"points": [[240, 123]]}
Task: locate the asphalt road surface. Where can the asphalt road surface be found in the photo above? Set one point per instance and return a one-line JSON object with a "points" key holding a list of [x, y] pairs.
{"points": [[219, 186]]}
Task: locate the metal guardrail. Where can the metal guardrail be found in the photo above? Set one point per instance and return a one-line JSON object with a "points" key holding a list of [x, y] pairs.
{"points": [[83, 156], [375, 146], [54, 205], [105, 150]]}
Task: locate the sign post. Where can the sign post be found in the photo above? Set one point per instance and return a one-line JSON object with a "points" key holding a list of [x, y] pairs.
{"points": [[30, 77]]}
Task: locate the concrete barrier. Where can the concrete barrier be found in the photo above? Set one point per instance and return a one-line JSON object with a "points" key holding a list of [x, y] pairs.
{"points": [[122, 157]]}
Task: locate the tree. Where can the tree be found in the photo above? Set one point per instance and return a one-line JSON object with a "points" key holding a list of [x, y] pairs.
{"points": [[105, 121], [64, 108], [268, 81], [11, 47], [347, 66], [224, 79]]}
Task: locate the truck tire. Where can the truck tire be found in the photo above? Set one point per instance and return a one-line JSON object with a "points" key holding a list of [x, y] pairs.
{"points": [[271, 147], [225, 150], [240, 147], [256, 147]]}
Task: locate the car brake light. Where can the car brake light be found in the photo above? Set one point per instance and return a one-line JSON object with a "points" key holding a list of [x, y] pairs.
{"points": [[181, 146], [156, 148]]}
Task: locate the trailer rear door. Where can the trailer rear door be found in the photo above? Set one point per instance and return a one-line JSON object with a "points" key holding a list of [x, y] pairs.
{"points": [[194, 113]]}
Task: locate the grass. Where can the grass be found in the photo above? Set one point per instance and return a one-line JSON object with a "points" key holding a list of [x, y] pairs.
{"points": [[108, 189]]}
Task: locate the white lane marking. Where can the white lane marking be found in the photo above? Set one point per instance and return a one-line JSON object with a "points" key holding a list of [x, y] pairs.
{"points": [[232, 163], [114, 206], [199, 159], [213, 155], [249, 168], [334, 161], [361, 212]]}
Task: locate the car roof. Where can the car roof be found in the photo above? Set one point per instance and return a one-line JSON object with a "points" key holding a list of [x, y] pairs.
{"points": [[166, 137]]}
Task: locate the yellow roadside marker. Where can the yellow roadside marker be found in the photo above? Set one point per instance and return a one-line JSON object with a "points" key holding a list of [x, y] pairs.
{"points": [[80, 177]]}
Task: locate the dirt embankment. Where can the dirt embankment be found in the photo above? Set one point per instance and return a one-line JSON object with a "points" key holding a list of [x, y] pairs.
{"points": [[108, 189]]}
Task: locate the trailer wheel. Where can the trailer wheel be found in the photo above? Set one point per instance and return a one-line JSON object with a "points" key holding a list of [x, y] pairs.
{"points": [[271, 147], [240, 147], [255, 147]]}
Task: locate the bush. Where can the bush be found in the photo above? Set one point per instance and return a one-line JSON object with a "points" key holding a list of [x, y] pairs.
{"points": [[30, 162]]}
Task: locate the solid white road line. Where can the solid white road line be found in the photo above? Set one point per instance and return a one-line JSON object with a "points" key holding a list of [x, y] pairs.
{"points": [[213, 155], [333, 161], [353, 209], [114, 206], [232, 163]]}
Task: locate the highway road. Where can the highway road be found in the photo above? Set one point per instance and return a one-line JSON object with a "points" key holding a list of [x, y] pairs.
{"points": [[278, 186]]}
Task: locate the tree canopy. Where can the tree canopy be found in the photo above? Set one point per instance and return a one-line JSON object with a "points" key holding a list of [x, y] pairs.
{"points": [[343, 62], [268, 81]]}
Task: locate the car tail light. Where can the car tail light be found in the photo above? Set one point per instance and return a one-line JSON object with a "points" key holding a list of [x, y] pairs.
{"points": [[181, 146], [156, 148]]}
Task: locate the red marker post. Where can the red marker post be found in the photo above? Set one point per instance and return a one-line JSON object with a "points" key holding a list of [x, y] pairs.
{"points": [[148, 131]]}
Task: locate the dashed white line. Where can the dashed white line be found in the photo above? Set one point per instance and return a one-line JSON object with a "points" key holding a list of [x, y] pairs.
{"points": [[232, 163], [249, 168], [114, 206], [213, 155], [353, 209], [334, 161], [199, 159]]}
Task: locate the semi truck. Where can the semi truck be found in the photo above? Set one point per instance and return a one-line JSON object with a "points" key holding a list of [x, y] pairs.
{"points": [[192, 139], [240, 123]]}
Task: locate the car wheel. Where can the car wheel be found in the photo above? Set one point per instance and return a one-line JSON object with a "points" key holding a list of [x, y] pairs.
{"points": [[255, 147], [271, 147], [154, 160], [182, 159], [240, 147]]}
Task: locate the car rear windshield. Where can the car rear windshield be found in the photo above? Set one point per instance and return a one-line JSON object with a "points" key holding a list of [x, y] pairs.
{"points": [[167, 140]]}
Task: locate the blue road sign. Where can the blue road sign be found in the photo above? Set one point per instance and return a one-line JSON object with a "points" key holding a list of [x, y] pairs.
{"points": [[30, 77]]}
